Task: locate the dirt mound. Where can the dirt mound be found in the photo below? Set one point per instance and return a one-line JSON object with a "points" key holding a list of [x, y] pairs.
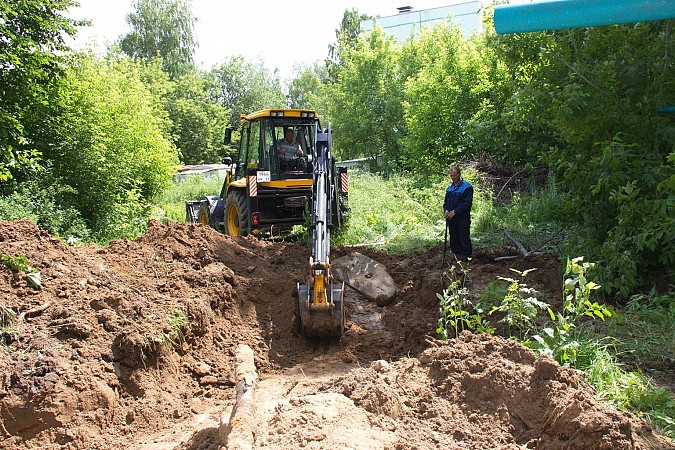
{"points": [[134, 342], [475, 392], [481, 391]]}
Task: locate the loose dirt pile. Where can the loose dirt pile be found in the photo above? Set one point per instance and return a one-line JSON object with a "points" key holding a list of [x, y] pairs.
{"points": [[133, 345]]}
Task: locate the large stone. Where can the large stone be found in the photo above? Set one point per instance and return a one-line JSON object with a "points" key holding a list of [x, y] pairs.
{"points": [[367, 276]]}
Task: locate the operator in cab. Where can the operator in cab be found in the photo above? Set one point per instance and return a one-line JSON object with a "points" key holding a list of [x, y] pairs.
{"points": [[291, 156]]}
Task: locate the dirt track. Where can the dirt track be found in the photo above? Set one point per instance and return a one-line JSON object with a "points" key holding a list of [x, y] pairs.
{"points": [[91, 363]]}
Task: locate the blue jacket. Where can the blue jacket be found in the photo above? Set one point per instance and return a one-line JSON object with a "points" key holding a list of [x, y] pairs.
{"points": [[459, 198]]}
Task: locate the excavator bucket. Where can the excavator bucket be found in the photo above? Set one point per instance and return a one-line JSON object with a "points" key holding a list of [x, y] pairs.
{"points": [[322, 319]]}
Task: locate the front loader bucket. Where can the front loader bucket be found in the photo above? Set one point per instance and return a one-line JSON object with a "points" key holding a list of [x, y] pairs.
{"points": [[322, 320]]}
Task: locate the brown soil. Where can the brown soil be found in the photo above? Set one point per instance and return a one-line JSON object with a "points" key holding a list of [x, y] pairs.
{"points": [[91, 361]]}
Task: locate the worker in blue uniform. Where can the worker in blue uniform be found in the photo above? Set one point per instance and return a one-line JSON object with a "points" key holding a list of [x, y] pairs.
{"points": [[457, 207]]}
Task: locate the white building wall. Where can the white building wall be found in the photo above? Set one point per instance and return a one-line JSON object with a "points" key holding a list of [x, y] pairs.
{"points": [[467, 15]]}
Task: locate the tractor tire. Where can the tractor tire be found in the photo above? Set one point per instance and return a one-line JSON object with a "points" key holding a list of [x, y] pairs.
{"points": [[204, 214], [236, 214]]}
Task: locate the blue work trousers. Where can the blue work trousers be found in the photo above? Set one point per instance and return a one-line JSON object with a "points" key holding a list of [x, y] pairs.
{"points": [[460, 240]]}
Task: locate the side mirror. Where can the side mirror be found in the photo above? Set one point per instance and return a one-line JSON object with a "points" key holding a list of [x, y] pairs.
{"points": [[227, 161], [228, 136]]}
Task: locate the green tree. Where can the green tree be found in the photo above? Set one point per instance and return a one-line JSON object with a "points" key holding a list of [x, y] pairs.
{"points": [[442, 97], [506, 123], [162, 28], [109, 147], [590, 98], [366, 101], [244, 87], [32, 58], [191, 116], [514, 125], [605, 87], [198, 120], [305, 89], [347, 36]]}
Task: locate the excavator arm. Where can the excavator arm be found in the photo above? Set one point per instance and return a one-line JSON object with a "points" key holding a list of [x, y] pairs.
{"points": [[321, 300]]}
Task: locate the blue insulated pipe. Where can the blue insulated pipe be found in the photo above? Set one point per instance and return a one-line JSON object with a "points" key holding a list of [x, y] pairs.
{"points": [[562, 14]]}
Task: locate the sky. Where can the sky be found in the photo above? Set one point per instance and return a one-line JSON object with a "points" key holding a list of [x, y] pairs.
{"points": [[281, 33]]}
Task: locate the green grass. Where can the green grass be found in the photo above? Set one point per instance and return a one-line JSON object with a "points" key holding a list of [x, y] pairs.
{"points": [[400, 214], [178, 324], [628, 390], [384, 213], [536, 220], [647, 329], [396, 213], [8, 330], [642, 345], [170, 205], [643, 340]]}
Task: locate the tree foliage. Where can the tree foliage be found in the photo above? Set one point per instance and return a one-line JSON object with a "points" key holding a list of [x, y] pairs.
{"points": [[347, 36], [306, 89], [32, 58], [591, 97], [162, 28], [441, 97], [198, 120], [620, 154], [110, 147], [365, 103], [191, 116], [244, 87]]}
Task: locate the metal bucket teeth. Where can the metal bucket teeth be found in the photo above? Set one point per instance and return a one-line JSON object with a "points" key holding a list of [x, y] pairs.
{"points": [[323, 321]]}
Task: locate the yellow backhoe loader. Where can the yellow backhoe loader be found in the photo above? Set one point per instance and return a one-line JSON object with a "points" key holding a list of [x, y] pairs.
{"points": [[285, 169]]}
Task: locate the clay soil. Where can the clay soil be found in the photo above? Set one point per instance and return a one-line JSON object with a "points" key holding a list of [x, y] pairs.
{"points": [[92, 360]]}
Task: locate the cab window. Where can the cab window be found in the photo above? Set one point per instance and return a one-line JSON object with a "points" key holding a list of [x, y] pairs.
{"points": [[254, 146], [270, 146]]}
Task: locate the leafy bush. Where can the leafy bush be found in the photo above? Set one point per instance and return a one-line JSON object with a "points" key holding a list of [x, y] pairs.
{"points": [[457, 312], [109, 146], [43, 200], [16, 263], [561, 340], [21, 263], [520, 306]]}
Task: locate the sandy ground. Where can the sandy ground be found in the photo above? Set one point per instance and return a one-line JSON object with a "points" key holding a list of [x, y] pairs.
{"points": [[92, 362]]}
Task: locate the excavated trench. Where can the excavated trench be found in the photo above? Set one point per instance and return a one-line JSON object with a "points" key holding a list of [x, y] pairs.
{"points": [[135, 344]]}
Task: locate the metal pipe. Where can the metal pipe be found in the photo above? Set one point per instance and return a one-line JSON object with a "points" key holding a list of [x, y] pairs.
{"points": [[562, 14]]}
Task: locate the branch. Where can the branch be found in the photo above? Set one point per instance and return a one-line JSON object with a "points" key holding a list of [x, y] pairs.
{"points": [[515, 241], [34, 311], [507, 182]]}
